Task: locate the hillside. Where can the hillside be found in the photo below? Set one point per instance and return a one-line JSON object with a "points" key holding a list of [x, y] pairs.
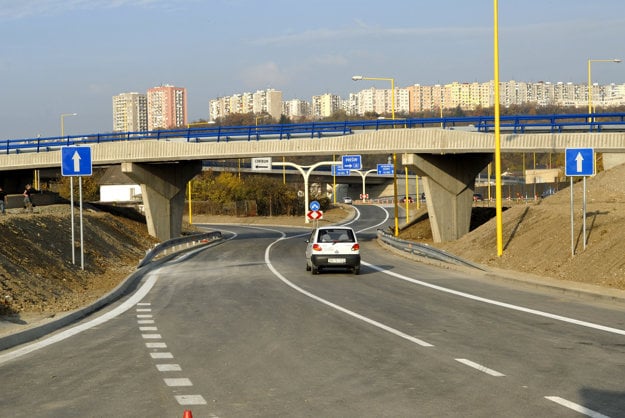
{"points": [[537, 236]]}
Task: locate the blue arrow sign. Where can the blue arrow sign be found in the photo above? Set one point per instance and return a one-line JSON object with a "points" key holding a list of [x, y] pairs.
{"points": [[385, 169], [76, 161], [579, 162], [352, 162]]}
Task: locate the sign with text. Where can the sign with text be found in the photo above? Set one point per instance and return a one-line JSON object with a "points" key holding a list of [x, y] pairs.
{"points": [[385, 169], [337, 170], [352, 162], [261, 164]]}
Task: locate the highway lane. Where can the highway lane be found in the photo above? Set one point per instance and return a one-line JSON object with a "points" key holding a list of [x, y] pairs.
{"points": [[241, 329]]}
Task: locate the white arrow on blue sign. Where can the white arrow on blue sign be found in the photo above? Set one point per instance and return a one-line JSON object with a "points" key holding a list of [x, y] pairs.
{"points": [[76, 161], [579, 162], [314, 205], [352, 162]]}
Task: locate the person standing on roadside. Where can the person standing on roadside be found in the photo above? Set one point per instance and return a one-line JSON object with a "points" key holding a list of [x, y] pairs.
{"points": [[3, 201], [28, 203]]}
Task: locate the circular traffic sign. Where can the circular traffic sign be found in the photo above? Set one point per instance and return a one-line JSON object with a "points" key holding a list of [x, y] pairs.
{"points": [[314, 205]]}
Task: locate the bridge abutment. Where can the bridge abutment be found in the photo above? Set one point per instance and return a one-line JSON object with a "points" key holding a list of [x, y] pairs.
{"points": [[448, 181], [163, 189]]}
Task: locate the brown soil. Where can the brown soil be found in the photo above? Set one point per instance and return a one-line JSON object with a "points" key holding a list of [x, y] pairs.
{"points": [[37, 274]]}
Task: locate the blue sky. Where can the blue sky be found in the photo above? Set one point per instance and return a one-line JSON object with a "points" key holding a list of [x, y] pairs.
{"points": [[65, 56]]}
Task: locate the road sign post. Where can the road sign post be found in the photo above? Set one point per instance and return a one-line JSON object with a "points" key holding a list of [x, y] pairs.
{"points": [[579, 162], [76, 162]]}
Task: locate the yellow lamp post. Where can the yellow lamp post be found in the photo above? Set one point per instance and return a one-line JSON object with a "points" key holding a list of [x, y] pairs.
{"points": [[590, 61], [395, 203]]}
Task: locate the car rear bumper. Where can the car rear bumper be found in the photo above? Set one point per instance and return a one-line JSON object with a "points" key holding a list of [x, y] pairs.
{"points": [[336, 260]]}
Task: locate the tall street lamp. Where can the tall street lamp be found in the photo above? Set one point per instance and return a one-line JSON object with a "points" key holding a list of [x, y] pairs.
{"points": [[392, 80], [590, 61], [63, 116]]}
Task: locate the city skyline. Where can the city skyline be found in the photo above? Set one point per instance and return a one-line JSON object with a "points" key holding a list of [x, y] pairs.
{"points": [[62, 56]]}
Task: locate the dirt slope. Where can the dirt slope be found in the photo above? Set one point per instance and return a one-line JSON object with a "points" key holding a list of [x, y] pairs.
{"points": [[537, 236]]}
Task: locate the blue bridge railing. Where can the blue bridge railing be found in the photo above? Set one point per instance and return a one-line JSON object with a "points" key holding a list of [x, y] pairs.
{"points": [[556, 123]]}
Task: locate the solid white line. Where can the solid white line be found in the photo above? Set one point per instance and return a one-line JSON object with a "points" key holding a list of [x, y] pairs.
{"points": [[335, 306], [497, 303], [128, 304], [575, 407], [480, 367], [190, 400]]}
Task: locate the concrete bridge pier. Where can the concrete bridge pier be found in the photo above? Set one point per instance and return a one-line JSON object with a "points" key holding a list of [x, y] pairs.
{"points": [[449, 182], [163, 187]]}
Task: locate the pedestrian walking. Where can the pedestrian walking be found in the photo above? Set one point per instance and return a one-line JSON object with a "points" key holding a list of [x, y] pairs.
{"points": [[28, 202]]}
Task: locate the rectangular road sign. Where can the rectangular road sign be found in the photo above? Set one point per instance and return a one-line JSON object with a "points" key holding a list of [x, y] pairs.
{"points": [[76, 161], [385, 169], [261, 164], [337, 170], [352, 162], [579, 162]]}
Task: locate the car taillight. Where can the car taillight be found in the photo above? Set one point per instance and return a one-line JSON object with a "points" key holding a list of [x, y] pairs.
{"points": [[356, 247], [316, 247]]}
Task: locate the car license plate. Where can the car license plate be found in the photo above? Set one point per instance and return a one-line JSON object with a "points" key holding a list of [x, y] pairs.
{"points": [[336, 260]]}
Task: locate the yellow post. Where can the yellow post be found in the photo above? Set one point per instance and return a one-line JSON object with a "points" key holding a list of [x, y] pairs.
{"points": [[407, 202], [498, 202], [190, 211]]}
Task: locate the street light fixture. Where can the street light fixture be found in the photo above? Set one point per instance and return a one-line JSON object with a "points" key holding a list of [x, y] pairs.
{"points": [[590, 61], [392, 80], [62, 121]]}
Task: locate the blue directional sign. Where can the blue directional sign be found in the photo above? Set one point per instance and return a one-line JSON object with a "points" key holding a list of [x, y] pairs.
{"points": [[337, 170], [579, 162], [385, 169], [76, 161], [314, 205], [352, 162]]}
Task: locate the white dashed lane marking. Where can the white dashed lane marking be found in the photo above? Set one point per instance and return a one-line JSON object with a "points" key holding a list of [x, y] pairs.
{"points": [[173, 382], [479, 367]]}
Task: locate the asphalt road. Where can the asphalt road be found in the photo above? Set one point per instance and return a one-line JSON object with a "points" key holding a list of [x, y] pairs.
{"points": [[241, 329]]}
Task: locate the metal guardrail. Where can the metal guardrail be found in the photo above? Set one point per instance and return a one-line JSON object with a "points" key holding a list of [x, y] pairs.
{"points": [[556, 123], [424, 250], [178, 244]]}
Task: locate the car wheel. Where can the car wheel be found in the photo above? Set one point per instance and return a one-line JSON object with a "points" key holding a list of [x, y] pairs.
{"points": [[307, 267], [315, 270], [356, 270]]}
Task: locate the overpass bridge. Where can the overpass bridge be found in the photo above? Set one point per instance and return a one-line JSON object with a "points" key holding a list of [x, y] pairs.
{"points": [[447, 159]]}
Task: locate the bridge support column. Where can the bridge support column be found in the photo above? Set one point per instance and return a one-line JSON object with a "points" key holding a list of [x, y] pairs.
{"points": [[449, 182], [611, 160], [163, 189]]}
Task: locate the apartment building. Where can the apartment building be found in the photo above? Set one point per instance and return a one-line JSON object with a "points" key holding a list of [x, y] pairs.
{"points": [[167, 107], [262, 101], [325, 105], [130, 112]]}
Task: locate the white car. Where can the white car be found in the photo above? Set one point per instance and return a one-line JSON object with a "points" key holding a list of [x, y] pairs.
{"points": [[347, 200], [332, 247]]}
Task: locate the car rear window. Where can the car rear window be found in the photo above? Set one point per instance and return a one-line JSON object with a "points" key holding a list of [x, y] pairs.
{"points": [[336, 235]]}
